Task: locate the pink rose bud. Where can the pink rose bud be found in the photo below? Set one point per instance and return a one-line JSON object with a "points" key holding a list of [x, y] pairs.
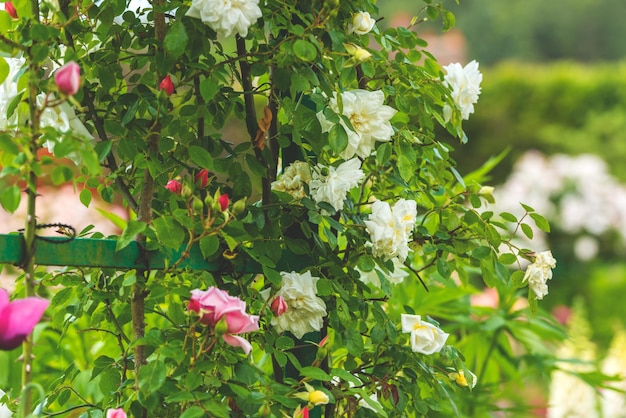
{"points": [[67, 78], [174, 186], [223, 201], [278, 306], [167, 85], [18, 318], [202, 178], [116, 413], [8, 6]]}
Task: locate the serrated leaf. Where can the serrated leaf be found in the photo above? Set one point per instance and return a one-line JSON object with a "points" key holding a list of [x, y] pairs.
{"points": [[133, 228], [193, 412], [527, 208], [151, 377], [176, 39], [201, 157], [208, 89], [481, 252], [304, 50], [507, 258], [354, 342], [169, 232], [209, 245]]}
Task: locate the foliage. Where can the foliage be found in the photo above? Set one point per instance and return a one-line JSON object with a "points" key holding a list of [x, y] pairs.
{"points": [[125, 338]]}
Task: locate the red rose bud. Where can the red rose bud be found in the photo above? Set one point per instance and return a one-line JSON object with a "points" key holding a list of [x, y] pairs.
{"points": [[202, 178], [278, 306], [174, 186], [8, 6], [223, 201], [67, 78], [167, 85]]}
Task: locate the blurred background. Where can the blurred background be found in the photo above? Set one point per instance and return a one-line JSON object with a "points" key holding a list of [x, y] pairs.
{"points": [[554, 96]]}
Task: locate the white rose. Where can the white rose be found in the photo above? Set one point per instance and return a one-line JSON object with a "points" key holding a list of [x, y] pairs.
{"points": [[390, 229], [538, 273], [362, 23], [306, 310], [464, 83], [293, 179], [425, 337], [334, 186], [226, 17], [369, 117]]}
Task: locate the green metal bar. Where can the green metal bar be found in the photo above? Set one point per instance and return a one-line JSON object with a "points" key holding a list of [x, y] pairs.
{"points": [[88, 252]]}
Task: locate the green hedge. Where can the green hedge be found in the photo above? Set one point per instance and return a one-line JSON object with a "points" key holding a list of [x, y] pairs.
{"points": [[566, 107]]}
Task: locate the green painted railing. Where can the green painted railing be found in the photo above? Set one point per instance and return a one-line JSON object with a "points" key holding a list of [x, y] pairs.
{"points": [[89, 252]]}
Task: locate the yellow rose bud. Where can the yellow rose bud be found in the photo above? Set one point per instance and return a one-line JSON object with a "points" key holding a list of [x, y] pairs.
{"points": [[317, 397]]}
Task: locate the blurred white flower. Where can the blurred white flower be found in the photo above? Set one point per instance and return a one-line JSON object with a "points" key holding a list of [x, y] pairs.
{"points": [[5, 412], [390, 229], [331, 185], [306, 310], [538, 273], [369, 117], [614, 364], [425, 337], [8, 90], [226, 17], [464, 82], [396, 277], [293, 179], [362, 23]]}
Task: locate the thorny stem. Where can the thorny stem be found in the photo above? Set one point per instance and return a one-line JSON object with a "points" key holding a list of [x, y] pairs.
{"points": [[31, 220], [144, 214]]}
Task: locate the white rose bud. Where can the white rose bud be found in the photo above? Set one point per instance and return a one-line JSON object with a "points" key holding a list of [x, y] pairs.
{"points": [[362, 23]]}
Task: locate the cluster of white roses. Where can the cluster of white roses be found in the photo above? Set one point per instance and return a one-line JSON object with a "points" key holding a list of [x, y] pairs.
{"points": [[326, 184]]}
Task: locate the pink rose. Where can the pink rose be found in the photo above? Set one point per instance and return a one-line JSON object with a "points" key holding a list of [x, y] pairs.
{"points": [[278, 306], [174, 186], [167, 85], [223, 201], [67, 78], [215, 305], [202, 178], [116, 413], [18, 318], [8, 6]]}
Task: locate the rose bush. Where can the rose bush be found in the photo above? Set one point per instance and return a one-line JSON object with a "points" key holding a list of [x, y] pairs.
{"points": [[291, 150]]}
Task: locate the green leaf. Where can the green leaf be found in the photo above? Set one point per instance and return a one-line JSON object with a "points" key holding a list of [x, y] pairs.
{"points": [[527, 230], [176, 39], [169, 232], [133, 228], [208, 89], [508, 217], [193, 412], [151, 377], [354, 342], [10, 198], [527, 208], [541, 222], [209, 246], [316, 373], [481, 252], [85, 197], [4, 70], [507, 258], [338, 138], [304, 50], [200, 157]]}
